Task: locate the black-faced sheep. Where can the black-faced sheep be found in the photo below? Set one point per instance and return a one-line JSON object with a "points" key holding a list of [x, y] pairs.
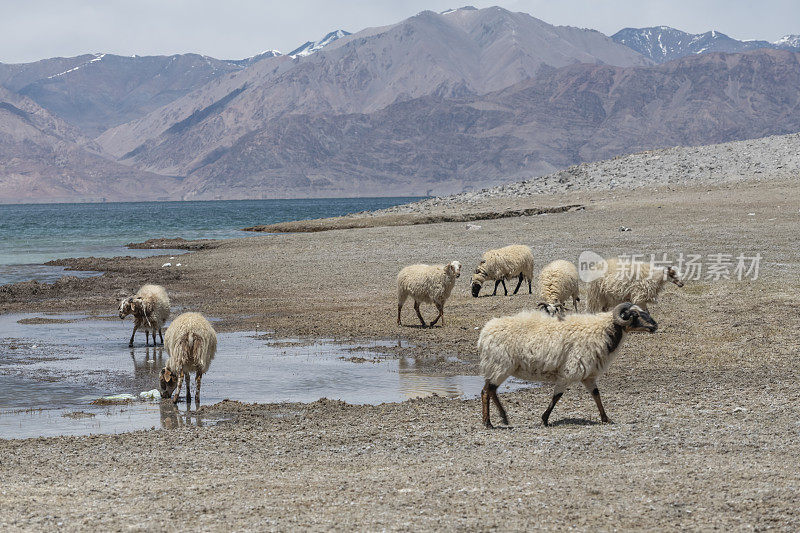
{"points": [[502, 264], [150, 310], [428, 284], [629, 282], [534, 346], [558, 282], [192, 344]]}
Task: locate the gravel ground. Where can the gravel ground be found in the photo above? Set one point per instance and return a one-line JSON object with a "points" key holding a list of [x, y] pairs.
{"points": [[706, 431]]}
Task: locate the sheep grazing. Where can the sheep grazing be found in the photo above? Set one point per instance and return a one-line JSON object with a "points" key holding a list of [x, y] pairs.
{"points": [[558, 282], [557, 309], [150, 310], [534, 346], [192, 344], [428, 284], [502, 264], [629, 282]]}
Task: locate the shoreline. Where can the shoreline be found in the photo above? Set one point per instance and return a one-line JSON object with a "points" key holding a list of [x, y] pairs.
{"points": [[705, 410]]}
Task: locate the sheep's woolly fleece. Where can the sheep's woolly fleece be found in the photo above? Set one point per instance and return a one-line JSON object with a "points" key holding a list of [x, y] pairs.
{"points": [[558, 282], [191, 343], [625, 282], [505, 263], [427, 283], [534, 346]]}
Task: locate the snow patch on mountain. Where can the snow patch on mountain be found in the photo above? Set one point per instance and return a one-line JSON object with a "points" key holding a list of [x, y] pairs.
{"points": [[788, 42], [96, 58], [662, 43], [310, 47]]}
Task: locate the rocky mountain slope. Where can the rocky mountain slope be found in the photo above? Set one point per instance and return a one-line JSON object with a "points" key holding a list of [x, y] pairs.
{"points": [[462, 53], [42, 158], [97, 91], [774, 157], [662, 43], [562, 117]]}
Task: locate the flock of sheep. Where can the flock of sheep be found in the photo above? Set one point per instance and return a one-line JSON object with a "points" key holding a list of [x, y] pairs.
{"points": [[546, 344]]}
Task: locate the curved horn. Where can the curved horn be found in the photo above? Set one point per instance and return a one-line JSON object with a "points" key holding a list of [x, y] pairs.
{"points": [[622, 315]]}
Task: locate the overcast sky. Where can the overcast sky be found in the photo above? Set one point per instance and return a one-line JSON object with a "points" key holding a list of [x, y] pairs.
{"points": [[232, 29]]}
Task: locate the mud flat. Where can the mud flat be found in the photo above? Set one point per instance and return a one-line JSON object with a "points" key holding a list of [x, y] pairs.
{"points": [[706, 411]]}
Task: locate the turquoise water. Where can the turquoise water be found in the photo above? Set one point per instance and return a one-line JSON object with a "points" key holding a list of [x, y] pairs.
{"points": [[32, 234]]}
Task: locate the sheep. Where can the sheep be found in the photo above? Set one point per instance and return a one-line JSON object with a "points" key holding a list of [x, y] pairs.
{"points": [[628, 282], [534, 346], [429, 284], [502, 264], [150, 309], [192, 344], [558, 281], [557, 309]]}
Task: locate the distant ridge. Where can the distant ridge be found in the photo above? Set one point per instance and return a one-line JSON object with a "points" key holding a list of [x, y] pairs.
{"points": [[662, 43]]}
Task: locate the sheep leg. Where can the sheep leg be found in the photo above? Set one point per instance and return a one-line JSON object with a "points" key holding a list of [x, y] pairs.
{"points": [[178, 388], [197, 380], [400, 302], [530, 291], [519, 284], [496, 398], [591, 386], [487, 423], [188, 390], [558, 392], [496, 284], [416, 308], [147, 338], [160, 334], [130, 343], [504, 286], [440, 308]]}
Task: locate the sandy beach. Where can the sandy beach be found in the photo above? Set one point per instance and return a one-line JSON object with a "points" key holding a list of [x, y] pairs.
{"points": [[705, 432]]}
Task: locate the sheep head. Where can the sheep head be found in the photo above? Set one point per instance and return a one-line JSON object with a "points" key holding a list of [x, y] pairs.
{"points": [[672, 274], [125, 307], [557, 309], [453, 269], [477, 279], [168, 381], [633, 318]]}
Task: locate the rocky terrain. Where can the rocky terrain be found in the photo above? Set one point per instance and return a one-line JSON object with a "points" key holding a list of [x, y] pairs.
{"points": [[663, 44], [43, 158], [559, 118], [770, 158]]}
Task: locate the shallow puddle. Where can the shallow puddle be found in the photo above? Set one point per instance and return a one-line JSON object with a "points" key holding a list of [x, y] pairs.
{"points": [[53, 366]]}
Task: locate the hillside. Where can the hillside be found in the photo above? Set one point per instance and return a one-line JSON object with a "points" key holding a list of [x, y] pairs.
{"points": [[463, 53], [43, 159], [562, 117]]}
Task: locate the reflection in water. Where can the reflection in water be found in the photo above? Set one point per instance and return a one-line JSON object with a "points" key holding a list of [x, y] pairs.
{"points": [[149, 363], [415, 383], [75, 359], [173, 418]]}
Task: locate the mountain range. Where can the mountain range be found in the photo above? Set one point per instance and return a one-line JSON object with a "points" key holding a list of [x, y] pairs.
{"points": [[439, 102], [662, 43]]}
